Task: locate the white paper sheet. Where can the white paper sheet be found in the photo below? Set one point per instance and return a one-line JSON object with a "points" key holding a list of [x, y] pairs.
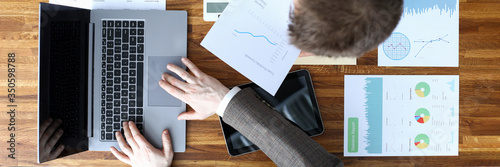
{"points": [[114, 4], [427, 35], [401, 115], [252, 37]]}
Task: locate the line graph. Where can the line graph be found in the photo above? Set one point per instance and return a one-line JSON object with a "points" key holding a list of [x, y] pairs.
{"points": [[431, 41], [397, 46], [256, 36]]}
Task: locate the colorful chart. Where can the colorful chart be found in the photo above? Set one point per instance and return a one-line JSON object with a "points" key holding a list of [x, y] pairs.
{"points": [[422, 141], [397, 46], [422, 115], [422, 89]]}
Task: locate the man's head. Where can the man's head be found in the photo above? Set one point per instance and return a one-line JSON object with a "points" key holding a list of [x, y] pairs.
{"points": [[343, 28]]}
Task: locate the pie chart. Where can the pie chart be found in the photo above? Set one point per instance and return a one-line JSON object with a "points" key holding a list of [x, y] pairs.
{"points": [[422, 115], [422, 141], [422, 89]]}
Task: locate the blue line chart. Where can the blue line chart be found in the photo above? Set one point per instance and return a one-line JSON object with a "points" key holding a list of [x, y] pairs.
{"points": [[256, 36], [431, 41]]}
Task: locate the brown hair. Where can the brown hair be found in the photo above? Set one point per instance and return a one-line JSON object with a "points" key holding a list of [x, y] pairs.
{"points": [[343, 28]]}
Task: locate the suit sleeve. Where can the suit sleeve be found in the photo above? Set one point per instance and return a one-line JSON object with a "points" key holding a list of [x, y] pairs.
{"points": [[283, 143]]}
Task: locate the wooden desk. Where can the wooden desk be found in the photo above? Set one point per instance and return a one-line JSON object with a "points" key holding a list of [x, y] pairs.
{"points": [[479, 93]]}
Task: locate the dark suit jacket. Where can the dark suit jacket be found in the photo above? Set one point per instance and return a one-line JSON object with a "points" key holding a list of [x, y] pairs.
{"points": [[284, 143]]}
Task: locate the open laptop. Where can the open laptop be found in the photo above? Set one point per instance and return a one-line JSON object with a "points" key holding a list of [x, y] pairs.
{"points": [[98, 68]]}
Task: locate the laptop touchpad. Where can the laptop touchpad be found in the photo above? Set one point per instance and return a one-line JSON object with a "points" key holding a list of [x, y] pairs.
{"points": [[157, 65]]}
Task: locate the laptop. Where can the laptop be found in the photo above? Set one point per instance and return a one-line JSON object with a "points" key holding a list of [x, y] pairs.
{"points": [[98, 68]]}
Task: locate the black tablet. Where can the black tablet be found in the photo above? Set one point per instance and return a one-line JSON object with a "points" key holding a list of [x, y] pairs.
{"points": [[295, 100]]}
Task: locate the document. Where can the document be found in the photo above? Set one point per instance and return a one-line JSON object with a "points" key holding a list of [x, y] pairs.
{"points": [[114, 4], [401, 115], [252, 37], [427, 35]]}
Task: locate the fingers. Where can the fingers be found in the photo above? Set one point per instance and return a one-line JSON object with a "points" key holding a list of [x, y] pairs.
{"points": [[123, 145], [44, 126], [167, 143], [50, 131], [181, 72], [53, 140], [57, 152], [122, 157], [189, 115], [128, 136], [192, 67], [174, 81], [174, 91], [141, 141]]}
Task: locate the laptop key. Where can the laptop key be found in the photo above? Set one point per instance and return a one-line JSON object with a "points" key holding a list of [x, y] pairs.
{"points": [[124, 85], [109, 83], [109, 52], [125, 23], [116, 118], [131, 96], [118, 64], [109, 75], [133, 40], [109, 97], [140, 57], [109, 129], [132, 65], [109, 106], [140, 31], [131, 110], [109, 121], [139, 111], [116, 103], [118, 42], [103, 111], [118, 72], [124, 115], [116, 125], [133, 23], [140, 24], [124, 109], [110, 45], [110, 34], [109, 60], [125, 63], [116, 110], [124, 101], [109, 90], [125, 47], [139, 119], [124, 69], [116, 96], [110, 24], [116, 88], [140, 39], [125, 36], [117, 80], [118, 33], [133, 58], [133, 32], [139, 126], [103, 125], [109, 67], [104, 23], [140, 80], [124, 93], [124, 78], [103, 32], [131, 118], [103, 118], [103, 57], [131, 88], [118, 23], [103, 135], [140, 48], [131, 103]]}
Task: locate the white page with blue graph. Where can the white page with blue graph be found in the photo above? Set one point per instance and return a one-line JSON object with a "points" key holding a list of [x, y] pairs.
{"points": [[252, 37], [426, 36], [395, 115]]}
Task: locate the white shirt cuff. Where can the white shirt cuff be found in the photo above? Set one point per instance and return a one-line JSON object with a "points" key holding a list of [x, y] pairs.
{"points": [[225, 101]]}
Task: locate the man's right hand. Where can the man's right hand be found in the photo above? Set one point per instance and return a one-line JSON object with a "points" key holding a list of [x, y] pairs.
{"points": [[201, 91]]}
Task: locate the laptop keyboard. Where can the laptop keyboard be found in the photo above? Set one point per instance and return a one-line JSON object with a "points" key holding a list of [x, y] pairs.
{"points": [[122, 77]]}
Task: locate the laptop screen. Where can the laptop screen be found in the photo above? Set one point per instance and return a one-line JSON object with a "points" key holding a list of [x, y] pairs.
{"points": [[63, 80]]}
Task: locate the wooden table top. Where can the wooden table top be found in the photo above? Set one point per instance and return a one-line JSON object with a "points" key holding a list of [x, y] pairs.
{"points": [[479, 139]]}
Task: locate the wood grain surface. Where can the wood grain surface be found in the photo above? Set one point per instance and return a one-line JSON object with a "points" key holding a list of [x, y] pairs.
{"points": [[479, 93]]}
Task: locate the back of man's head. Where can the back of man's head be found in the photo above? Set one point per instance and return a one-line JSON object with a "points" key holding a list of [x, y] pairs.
{"points": [[343, 28]]}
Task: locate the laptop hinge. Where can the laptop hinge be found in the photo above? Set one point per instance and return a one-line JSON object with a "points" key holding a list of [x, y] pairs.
{"points": [[90, 125]]}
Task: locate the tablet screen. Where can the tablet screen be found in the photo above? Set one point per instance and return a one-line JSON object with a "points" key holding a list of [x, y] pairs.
{"points": [[295, 100]]}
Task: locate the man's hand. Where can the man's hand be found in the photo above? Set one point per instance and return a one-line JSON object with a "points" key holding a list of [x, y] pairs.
{"points": [[202, 92], [138, 151], [49, 138]]}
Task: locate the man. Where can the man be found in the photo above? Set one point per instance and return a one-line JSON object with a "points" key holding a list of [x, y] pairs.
{"points": [[321, 27]]}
